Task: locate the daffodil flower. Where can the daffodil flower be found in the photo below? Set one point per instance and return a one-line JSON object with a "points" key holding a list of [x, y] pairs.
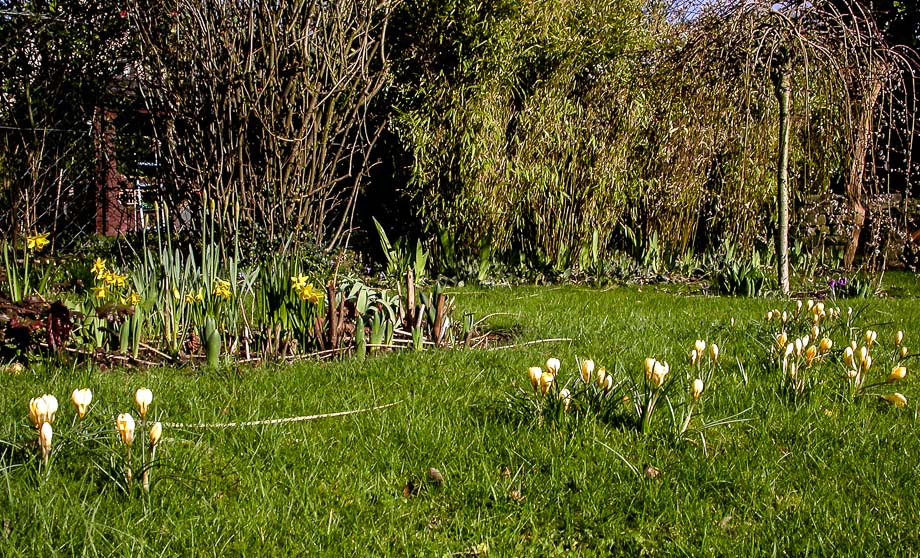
{"points": [[100, 292], [98, 268], [38, 241]]}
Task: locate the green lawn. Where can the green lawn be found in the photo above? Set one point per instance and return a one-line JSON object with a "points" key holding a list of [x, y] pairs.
{"points": [[814, 475]]}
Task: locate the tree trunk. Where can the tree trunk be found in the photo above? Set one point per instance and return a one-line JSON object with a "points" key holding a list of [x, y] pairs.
{"points": [[782, 84], [863, 118]]}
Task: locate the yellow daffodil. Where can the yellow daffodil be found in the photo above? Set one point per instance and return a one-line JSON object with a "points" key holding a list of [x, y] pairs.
{"points": [[896, 399], [81, 398], [100, 292], [299, 282], [109, 278], [156, 431], [308, 294], [697, 389], [98, 268], [587, 368], [38, 241], [897, 373], [44, 439], [133, 299], [143, 397], [222, 289], [553, 365], [124, 424], [120, 280]]}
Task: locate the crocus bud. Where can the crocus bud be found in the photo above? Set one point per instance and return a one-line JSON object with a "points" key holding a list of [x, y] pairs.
{"points": [[870, 337], [601, 376], [798, 347], [798, 306], [853, 345], [697, 389], [44, 439], [51, 403], [156, 431], [825, 345], [904, 351], [587, 368], [649, 367], [785, 316], [815, 331], [769, 315], [700, 346], [694, 358], [867, 364], [897, 373], [896, 399], [565, 395], [546, 380], [125, 426], [810, 353], [898, 337], [552, 365], [143, 397], [714, 352], [608, 383], [863, 354], [38, 411], [534, 372], [659, 372], [81, 398], [848, 357], [781, 340], [790, 348]]}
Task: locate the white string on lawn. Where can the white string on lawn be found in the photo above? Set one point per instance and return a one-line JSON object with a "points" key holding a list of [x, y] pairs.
{"points": [[278, 420]]}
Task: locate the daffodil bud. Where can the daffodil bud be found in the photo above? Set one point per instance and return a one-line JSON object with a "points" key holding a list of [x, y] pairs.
{"points": [[143, 397], [898, 337], [825, 345], [896, 399], [44, 440], [156, 431], [714, 352], [697, 389], [587, 368], [700, 346], [124, 424], [897, 373], [81, 398], [534, 372], [553, 365]]}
